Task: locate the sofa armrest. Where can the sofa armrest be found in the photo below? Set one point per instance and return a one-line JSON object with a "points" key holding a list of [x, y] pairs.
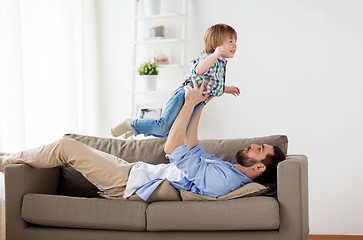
{"points": [[292, 194], [21, 179]]}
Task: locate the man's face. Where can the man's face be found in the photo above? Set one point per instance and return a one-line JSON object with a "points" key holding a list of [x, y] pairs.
{"points": [[255, 153]]}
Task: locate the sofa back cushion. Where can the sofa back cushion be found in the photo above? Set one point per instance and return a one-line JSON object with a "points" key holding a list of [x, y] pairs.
{"points": [[72, 183], [226, 149], [152, 150], [148, 150]]}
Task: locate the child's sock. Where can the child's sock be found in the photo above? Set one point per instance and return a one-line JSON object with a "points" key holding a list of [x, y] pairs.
{"points": [[128, 134], [121, 128]]}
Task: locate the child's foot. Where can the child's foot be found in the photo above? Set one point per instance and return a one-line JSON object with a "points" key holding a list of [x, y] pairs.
{"points": [[121, 128], [128, 134]]}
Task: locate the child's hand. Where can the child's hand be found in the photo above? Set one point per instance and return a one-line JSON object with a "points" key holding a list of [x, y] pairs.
{"points": [[194, 95], [220, 51], [232, 90]]}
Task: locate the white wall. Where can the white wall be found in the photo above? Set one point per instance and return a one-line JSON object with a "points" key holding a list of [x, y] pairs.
{"points": [[115, 45], [299, 66]]}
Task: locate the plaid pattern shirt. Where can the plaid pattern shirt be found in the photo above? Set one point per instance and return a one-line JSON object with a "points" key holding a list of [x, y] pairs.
{"points": [[214, 77]]}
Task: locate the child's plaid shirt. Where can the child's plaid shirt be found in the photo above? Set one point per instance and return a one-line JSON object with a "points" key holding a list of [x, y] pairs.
{"points": [[214, 77]]}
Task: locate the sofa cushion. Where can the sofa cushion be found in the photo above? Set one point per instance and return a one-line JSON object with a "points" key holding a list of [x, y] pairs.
{"points": [[73, 183], [148, 150], [248, 190], [254, 213], [164, 192], [226, 149], [152, 150], [75, 212]]}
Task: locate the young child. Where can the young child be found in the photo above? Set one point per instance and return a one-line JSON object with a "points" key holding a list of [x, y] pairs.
{"points": [[209, 68]]}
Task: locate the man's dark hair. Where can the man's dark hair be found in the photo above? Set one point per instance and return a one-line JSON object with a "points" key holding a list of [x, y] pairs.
{"points": [[271, 162]]}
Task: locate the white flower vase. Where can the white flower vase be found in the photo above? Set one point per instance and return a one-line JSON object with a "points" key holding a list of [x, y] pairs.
{"points": [[152, 7], [148, 82]]}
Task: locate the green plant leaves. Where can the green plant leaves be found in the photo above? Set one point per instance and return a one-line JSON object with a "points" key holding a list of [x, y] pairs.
{"points": [[148, 68]]}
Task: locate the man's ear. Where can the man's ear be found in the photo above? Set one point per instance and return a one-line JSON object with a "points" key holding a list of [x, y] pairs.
{"points": [[259, 167]]}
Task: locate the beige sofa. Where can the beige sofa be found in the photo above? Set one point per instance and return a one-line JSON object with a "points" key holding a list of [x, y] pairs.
{"points": [[59, 203]]}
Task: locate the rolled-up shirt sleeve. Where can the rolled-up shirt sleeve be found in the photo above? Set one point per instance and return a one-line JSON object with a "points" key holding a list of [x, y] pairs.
{"points": [[210, 73]]}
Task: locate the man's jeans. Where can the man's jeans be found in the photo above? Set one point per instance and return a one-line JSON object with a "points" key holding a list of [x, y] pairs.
{"points": [[161, 127]]}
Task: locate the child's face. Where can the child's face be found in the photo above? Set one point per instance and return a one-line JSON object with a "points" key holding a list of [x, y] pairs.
{"points": [[230, 46]]}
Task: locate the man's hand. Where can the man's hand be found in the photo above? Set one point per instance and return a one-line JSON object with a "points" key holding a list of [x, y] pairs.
{"points": [[232, 90], [208, 99], [177, 133], [194, 95]]}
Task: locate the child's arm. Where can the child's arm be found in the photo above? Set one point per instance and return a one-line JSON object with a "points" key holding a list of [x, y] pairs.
{"points": [[207, 62], [232, 90]]}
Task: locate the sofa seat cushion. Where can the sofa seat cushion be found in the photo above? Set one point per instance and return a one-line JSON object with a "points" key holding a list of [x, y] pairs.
{"points": [[253, 213], [76, 212]]}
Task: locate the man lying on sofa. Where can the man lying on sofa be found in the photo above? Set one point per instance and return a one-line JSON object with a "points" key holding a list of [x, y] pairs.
{"points": [[190, 168]]}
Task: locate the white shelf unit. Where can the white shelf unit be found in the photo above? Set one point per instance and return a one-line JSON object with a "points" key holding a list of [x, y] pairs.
{"points": [[175, 23], [158, 41]]}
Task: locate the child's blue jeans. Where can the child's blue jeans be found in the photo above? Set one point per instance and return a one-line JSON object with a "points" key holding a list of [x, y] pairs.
{"points": [[161, 127]]}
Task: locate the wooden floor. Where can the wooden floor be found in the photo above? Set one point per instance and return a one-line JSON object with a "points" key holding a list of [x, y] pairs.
{"points": [[335, 237]]}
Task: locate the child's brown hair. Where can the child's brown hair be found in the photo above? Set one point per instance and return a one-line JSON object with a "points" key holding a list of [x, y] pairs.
{"points": [[215, 36]]}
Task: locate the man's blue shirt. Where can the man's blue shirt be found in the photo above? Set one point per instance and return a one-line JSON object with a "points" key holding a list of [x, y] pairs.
{"points": [[205, 174]]}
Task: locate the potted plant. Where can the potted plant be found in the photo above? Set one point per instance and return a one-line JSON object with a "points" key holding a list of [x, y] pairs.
{"points": [[148, 72]]}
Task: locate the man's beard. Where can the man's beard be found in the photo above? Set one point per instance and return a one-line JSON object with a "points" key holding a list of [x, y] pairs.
{"points": [[245, 161]]}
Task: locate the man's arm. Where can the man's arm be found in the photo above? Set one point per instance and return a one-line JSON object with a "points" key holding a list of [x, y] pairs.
{"points": [[191, 138], [207, 62], [177, 132]]}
